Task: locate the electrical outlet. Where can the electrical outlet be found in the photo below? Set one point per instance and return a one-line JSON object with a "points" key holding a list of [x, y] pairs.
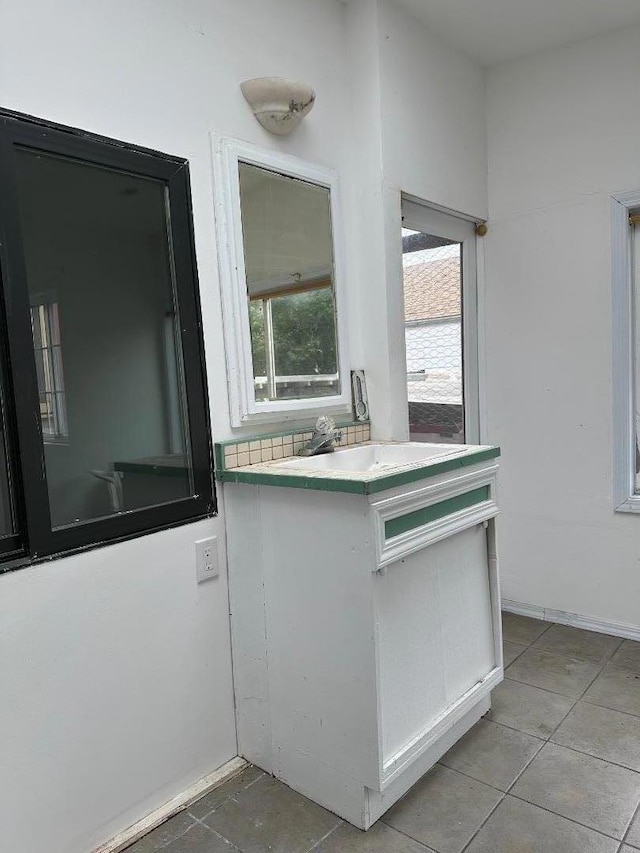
{"points": [[207, 559]]}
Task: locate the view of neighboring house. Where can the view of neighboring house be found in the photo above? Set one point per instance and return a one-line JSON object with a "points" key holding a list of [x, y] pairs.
{"points": [[433, 309]]}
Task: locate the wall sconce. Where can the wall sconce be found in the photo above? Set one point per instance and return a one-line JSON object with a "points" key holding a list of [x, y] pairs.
{"points": [[278, 104]]}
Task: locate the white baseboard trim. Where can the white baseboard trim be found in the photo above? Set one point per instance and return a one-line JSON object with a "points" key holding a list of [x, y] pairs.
{"points": [[182, 801], [589, 623]]}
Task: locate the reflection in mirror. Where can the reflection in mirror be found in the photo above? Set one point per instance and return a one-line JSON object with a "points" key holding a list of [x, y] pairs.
{"points": [[289, 267]]}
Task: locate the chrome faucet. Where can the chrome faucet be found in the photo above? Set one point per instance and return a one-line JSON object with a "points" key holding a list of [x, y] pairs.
{"points": [[325, 435]]}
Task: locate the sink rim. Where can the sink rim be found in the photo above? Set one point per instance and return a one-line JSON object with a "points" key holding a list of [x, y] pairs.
{"points": [[320, 463]]}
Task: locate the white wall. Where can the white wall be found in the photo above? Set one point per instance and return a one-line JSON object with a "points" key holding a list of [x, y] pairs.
{"points": [[433, 115], [115, 665], [115, 689], [562, 133], [420, 131]]}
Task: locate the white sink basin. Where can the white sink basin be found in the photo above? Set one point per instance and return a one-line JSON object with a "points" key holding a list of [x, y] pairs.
{"points": [[373, 457]]}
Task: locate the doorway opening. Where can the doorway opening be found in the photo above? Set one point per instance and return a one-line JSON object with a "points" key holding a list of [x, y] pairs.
{"points": [[439, 277]]}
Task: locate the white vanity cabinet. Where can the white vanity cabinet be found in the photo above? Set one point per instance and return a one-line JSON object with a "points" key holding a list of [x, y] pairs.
{"points": [[366, 630]]}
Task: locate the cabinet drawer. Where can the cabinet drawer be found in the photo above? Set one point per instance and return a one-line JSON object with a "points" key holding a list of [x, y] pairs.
{"points": [[409, 522]]}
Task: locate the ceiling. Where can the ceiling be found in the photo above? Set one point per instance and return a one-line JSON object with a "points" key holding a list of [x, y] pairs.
{"points": [[493, 31]]}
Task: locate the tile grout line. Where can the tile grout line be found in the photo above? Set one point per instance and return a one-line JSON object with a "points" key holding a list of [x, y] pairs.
{"points": [[325, 836], [226, 799], [484, 822], [472, 778], [564, 817], [519, 655], [571, 748], [609, 708], [514, 729], [601, 669], [548, 690], [574, 701], [579, 698], [626, 832], [406, 834], [488, 784], [505, 793], [214, 832], [601, 664], [509, 791], [231, 798]]}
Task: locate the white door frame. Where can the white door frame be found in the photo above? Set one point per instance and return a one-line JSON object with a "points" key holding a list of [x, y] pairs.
{"points": [[421, 217]]}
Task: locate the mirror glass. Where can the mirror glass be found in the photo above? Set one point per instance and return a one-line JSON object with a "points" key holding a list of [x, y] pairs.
{"points": [[289, 267]]}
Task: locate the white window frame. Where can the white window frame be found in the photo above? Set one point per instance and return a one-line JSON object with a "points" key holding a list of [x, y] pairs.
{"points": [[419, 216], [244, 409], [623, 310]]}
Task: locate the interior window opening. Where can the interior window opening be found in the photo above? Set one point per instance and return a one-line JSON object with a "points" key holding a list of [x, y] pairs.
{"points": [[104, 428]]}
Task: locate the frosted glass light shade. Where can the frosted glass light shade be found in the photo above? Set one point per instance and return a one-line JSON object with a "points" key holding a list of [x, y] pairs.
{"points": [[278, 104]]}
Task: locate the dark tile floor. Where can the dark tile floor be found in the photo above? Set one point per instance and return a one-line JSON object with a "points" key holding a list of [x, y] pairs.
{"points": [[553, 768]]}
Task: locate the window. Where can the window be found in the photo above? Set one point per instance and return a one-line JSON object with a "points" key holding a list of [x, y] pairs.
{"points": [[283, 285], [293, 344], [45, 326], [625, 281], [103, 398]]}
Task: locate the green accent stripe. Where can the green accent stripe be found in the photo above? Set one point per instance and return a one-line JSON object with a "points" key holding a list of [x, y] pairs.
{"points": [[396, 526], [356, 487]]}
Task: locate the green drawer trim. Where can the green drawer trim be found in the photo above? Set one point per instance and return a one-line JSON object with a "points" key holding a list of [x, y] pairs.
{"points": [[396, 526]]}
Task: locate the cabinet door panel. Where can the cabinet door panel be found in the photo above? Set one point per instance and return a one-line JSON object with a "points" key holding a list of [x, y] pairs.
{"points": [[434, 634]]}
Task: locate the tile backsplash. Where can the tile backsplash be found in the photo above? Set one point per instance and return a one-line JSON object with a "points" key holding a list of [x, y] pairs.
{"points": [[265, 448]]}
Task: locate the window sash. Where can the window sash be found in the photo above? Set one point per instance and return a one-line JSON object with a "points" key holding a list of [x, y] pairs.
{"points": [[26, 429], [623, 310]]}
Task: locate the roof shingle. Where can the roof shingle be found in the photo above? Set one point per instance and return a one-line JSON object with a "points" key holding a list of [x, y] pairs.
{"points": [[432, 290]]}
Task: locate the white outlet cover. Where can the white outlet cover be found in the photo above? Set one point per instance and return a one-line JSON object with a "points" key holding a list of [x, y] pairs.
{"points": [[207, 559]]}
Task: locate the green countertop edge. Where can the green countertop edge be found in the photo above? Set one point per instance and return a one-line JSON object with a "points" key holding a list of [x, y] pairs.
{"points": [[355, 487]]}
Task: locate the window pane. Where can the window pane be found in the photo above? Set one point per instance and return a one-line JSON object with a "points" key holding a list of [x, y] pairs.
{"points": [[105, 334], [433, 333], [258, 350], [305, 344], [288, 258]]}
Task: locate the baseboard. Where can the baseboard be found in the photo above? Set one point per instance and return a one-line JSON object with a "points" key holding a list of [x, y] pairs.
{"points": [[175, 805], [589, 623]]}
